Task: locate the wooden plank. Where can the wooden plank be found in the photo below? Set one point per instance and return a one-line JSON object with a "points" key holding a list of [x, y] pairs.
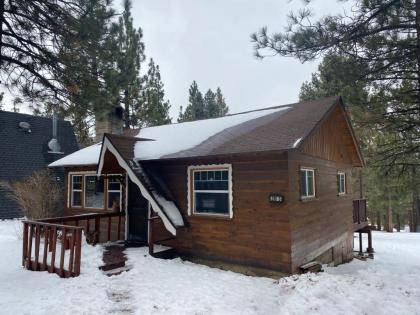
{"points": [[71, 256], [77, 253], [119, 228], [63, 251], [25, 243], [37, 242], [46, 239], [53, 249], [109, 229]]}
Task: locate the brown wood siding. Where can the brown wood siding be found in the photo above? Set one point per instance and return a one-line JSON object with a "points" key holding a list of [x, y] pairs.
{"points": [[325, 221], [332, 140], [258, 234]]}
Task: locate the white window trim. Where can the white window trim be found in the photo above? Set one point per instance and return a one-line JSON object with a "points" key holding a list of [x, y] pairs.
{"points": [[308, 169], [340, 173], [71, 190], [84, 192], [191, 199], [108, 191]]}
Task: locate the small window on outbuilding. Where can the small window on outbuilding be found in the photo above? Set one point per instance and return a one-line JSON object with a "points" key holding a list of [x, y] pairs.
{"points": [[76, 190], [307, 183], [341, 183]]}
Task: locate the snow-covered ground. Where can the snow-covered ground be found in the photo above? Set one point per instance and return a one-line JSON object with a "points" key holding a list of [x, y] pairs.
{"points": [[389, 284]]}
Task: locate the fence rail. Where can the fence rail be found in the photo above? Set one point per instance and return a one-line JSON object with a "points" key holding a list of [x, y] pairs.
{"points": [[55, 244]]}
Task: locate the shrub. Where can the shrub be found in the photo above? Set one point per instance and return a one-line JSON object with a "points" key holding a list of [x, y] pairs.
{"points": [[38, 195]]}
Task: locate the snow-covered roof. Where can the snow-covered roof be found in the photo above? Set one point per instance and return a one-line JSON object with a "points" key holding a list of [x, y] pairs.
{"points": [[277, 128], [85, 156]]}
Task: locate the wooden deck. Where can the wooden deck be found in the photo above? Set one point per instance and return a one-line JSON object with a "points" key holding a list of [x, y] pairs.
{"points": [[359, 214]]}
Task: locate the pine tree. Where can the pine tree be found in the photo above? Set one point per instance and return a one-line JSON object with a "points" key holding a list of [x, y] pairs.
{"points": [[195, 108], [223, 109], [154, 109], [130, 55], [90, 57], [1, 100], [210, 105]]}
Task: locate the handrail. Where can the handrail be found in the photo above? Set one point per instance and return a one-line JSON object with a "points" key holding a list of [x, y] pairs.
{"points": [[71, 241], [69, 230]]}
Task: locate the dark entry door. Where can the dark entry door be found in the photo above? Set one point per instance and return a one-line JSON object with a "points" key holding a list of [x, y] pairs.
{"points": [[137, 208]]}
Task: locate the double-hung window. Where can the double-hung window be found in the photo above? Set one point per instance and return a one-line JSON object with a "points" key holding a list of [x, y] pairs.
{"points": [[114, 193], [210, 191], [307, 183], [341, 183], [76, 190]]}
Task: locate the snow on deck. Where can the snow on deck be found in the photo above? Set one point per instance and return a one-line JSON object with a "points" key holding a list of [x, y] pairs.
{"points": [[389, 284], [175, 138]]}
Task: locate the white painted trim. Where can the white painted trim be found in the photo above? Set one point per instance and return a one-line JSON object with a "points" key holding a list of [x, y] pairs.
{"points": [[191, 198], [307, 186], [341, 173], [70, 195], [107, 145]]}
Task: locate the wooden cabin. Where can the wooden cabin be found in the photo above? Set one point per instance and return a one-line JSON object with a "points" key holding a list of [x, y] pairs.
{"points": [[269, 188]]}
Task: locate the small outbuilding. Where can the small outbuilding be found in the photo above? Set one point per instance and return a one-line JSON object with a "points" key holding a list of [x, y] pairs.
{"points": [[269, 188]]}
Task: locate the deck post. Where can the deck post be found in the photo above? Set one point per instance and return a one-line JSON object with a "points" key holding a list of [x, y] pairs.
{"points": [[25, 243], [360, 244], [151, 240], [369, 249]]}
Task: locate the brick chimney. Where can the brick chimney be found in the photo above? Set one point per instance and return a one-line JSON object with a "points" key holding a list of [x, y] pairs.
{"points": [[111, 122]]}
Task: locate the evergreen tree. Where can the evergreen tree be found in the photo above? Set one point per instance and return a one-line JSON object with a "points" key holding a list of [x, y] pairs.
{"points": [[223, 109], [154, 109], [195, 108], [130, 55], [210, 105]]}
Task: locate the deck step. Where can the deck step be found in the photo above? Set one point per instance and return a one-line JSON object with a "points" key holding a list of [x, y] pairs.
{"points": [[313, 266], [166, 253]]}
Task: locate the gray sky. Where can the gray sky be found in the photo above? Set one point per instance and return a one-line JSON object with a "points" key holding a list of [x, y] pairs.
{"points": [[209, 41]]}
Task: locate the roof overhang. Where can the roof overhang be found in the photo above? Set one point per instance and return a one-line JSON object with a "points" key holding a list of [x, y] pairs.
{"points": [[107, 145]]}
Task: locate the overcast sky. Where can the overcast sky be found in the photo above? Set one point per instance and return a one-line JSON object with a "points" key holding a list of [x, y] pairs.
{"points": [[209, 41]]}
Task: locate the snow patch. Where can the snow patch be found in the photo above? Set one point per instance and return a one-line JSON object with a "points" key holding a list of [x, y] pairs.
{"points": [[297, 142], [85, 156]]}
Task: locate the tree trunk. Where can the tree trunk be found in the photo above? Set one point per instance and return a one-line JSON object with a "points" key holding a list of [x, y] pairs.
{"points": [[378, 221], [126, 109], [398, 223]]}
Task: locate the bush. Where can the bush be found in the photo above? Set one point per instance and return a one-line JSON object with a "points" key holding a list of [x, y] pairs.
{"points": [[39, 195]]}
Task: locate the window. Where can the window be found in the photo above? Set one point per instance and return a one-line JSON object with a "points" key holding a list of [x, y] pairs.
{"points": [[341, 183], [76, 190], [307, 183], [94, 192], [211, 191], [114, 193]]}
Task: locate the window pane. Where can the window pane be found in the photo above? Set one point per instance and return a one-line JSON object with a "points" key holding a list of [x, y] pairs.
{"points": [[310, 178], [218, 175], [114, 200], [76, 199], [217, 203], [225, 175], [94, 192], [77, 182], [113, 183], [338, 183], [303, 191]]}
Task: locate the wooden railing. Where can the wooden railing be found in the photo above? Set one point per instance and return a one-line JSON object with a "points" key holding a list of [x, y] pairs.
{"points": [[69, 237], [42, 237], [359, 213]]}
